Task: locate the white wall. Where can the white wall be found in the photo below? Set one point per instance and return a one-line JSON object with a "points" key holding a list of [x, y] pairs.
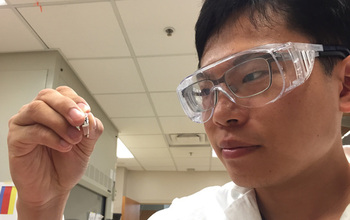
{"points": [[21, 78], [160, 187], [120, 189]]}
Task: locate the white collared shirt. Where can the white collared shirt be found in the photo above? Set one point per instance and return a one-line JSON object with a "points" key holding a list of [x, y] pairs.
{"points": [[228, 202]]}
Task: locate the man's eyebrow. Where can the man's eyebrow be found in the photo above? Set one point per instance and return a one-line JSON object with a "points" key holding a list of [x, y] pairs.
{"points": [[246, 57], [202, 75], [230, 62], [235, 60]]}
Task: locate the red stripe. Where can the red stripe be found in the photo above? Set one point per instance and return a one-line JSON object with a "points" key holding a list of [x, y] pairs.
{"points": [[6, 200]]}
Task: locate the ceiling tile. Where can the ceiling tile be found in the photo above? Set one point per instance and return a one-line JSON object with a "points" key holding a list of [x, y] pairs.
{"points": [[167, 104], [198, 163], [188, 161], [108, 75], [215, 161], [217, 169], [216, 165], [175, 125], [79, 30], [160, 168], [166, 73], [193, 168], [33, 1], [144, 141], [154, 153], [129, 161], [156, 162], [125, 105], [15, 35], [137, 125], [190, 152], [135, 168], [145, 22]]}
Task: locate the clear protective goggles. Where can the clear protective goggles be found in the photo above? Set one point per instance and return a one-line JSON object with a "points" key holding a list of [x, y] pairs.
{"points": [[251, 78]]}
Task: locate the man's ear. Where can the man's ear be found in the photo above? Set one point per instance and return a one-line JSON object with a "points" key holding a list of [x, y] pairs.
{"points": [[344, 104]]}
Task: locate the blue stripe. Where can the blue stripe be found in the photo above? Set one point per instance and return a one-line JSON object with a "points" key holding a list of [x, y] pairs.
{"points": [[1, 195]]}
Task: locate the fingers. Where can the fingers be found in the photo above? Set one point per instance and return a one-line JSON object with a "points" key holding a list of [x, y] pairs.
{"points": [[51, 120], [87, 144], [66, 102], [95, 127], [25, 139], [56, 112], [68, 92]]}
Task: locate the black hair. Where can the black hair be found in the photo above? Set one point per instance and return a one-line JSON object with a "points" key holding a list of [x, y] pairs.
{"points": [[322, 21]]}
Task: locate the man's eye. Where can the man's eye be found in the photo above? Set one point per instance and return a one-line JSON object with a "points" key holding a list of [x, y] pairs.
{"points": [[254, 76], [205, 92], [202, 92]]}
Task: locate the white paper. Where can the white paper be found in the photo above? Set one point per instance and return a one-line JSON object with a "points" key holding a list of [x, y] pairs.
{"points": [[95, 216]]}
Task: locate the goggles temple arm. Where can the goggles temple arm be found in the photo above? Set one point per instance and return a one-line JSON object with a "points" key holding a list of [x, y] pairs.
{"points": [[338, 51]]}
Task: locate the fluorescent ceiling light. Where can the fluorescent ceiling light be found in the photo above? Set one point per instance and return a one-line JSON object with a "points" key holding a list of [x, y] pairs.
{"points": [[213, 154], [122, 150], [3, 2]]}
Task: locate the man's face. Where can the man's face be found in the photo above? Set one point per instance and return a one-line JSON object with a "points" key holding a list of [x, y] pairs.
{"points": [[269, 145]]}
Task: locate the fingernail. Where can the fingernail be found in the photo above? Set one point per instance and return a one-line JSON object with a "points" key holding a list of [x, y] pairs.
{"points": [[84, 107], [75, 114]]}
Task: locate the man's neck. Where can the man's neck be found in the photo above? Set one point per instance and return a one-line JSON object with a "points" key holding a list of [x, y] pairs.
{"points": [[321, 192]]}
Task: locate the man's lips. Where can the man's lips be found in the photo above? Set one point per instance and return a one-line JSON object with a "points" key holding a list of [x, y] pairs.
{"points": [[235, 149], [232, 143]]}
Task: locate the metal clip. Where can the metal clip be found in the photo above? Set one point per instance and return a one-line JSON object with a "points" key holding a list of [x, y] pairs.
{"points": [[85, 126]]}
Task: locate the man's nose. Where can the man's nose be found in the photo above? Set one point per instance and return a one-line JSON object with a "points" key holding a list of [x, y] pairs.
{"points": [[227, 112]]}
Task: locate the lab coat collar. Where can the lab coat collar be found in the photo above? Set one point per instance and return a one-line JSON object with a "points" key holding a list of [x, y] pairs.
{"points": [[243, 205]]}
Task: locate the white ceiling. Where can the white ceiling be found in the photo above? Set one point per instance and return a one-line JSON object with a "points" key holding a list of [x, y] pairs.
{"points": [[120, 51]]}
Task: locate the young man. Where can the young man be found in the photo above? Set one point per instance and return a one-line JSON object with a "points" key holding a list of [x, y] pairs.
{"points": [[271, 89], [271, 96]]}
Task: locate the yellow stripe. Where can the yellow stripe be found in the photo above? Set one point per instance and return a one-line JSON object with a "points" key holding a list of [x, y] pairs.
{"points": [[12, 200]]}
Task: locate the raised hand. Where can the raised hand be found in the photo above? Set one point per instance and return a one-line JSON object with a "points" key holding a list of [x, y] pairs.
{"points": [[47, 153]]}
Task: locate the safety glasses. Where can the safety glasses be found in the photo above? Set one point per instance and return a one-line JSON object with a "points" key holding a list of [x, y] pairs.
{"points": [[251, 78]]}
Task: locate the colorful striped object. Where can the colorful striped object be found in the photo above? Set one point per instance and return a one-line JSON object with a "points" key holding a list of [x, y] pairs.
{"points": [[7, 199]]}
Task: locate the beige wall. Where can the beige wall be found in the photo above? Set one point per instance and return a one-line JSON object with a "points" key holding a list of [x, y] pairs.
{"points": [[21, 78], [156, 187], [13, 94], [120, 189]]}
